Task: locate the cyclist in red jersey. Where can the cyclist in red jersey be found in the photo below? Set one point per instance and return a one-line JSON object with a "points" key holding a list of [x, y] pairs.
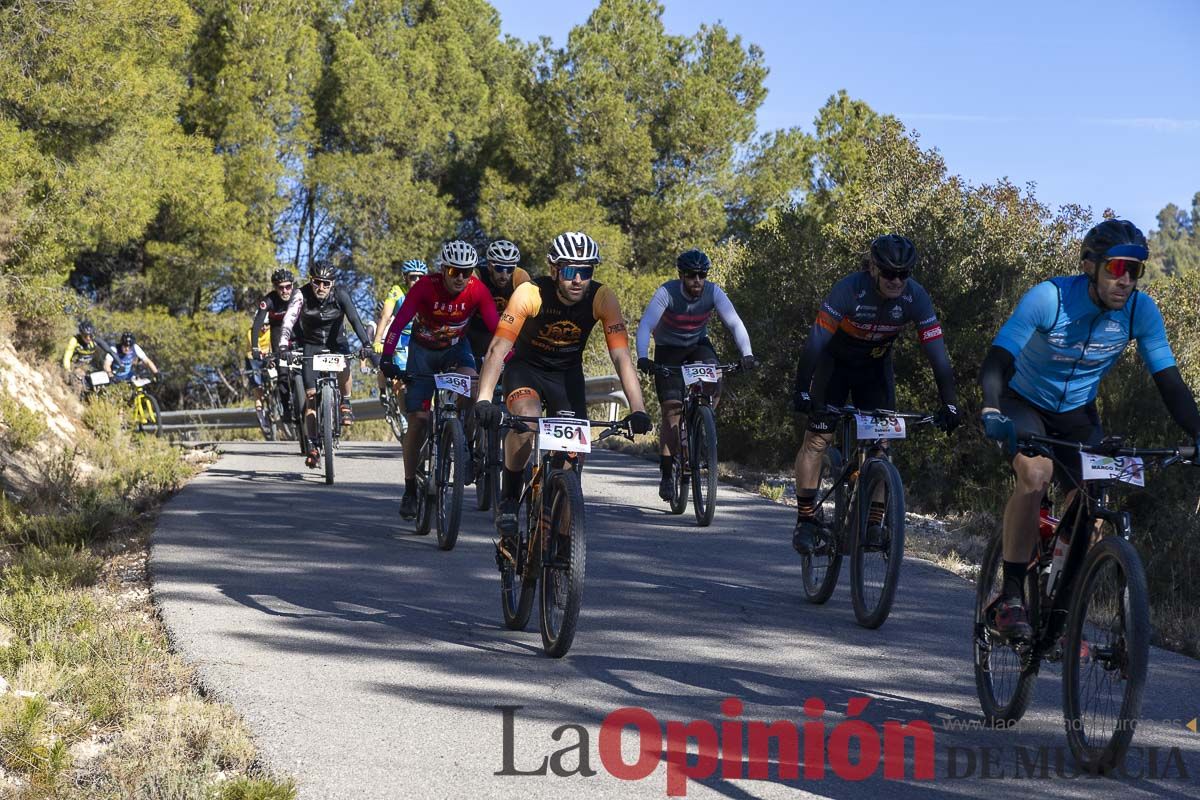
{"points": [[441, 305]]}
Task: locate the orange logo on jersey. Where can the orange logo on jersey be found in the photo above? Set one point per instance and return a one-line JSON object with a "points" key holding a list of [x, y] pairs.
{"points": [[559, 334]]}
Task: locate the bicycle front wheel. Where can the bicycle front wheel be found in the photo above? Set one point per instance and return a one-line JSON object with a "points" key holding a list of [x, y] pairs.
{"points": [[703, 455], [298, 409], [451, 477], [679, 484], [517, 574], [565, 549], [1107, 654], [820, 569], [147, 413], [328, 408], [481, 452], [1003, 678], [877, 543]]}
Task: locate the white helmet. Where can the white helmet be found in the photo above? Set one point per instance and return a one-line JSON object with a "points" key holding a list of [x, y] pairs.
{"points": [[503, 252], [574, 246], [458, 254]]}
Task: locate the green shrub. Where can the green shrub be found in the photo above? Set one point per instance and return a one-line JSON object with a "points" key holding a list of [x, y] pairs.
{"points": [[245, 788], [22, 426], [60, 563]]}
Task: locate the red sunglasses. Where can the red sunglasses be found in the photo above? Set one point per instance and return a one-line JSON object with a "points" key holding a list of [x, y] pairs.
{"points": [[1116, 267]]}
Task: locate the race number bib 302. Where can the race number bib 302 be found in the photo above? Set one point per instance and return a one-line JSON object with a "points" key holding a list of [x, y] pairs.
{"points": [[454, 382], [872, 427], [1107, 468], [329, 362], [567, 434], [693, 373]]}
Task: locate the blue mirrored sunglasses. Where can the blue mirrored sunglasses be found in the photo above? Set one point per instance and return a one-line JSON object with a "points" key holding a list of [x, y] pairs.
{"points": [[584, 273]]}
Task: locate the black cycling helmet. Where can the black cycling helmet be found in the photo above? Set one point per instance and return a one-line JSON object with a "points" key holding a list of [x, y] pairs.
{"points": [[693, 261], [282, 276], [127, 339], [893, 252], [1101, 240], [322, 270], [86, 328]]}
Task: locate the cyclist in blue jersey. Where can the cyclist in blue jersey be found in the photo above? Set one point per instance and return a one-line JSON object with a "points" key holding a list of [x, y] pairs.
{"points": [[1042, 373], [849, 356], [120, 363]]}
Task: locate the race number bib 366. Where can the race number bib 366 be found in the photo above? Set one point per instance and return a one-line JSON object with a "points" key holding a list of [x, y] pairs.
{"points": [[872, 427], [1106, 468], [567, 434], [454, 382], [693, 373]]}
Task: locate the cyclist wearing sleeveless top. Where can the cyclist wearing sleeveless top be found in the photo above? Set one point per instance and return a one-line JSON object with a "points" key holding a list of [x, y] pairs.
{"points": [[441, 305], [546, 326], [411, 270], [500, 275], [1042, 374], [848, 356], [677, 317]]}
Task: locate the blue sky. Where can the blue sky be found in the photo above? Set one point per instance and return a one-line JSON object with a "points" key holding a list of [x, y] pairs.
{"points": [[1098, 103]]}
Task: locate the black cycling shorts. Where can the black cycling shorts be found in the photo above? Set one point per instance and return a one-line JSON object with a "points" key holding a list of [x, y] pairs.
{"points": [[869, 384], [1077, 425], [559, 390], [310, 377], [670, 387]]}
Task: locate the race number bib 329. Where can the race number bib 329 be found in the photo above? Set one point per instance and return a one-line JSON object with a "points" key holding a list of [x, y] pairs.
{"points": [[693, 373], [872, 427], [567, 434], [454, 382]]}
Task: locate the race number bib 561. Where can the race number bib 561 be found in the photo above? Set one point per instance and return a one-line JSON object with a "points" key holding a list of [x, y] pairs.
{"points": [[567, 434], [1106, 468], [699, 372], [453, 381], [872, 427]]}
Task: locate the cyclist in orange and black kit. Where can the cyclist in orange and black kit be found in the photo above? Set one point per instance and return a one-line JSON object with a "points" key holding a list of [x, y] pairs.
{"points": [[546, 325], [848, 355]]}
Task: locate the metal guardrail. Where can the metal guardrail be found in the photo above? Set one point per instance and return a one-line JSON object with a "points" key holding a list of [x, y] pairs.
{"points": [[601, 390]]}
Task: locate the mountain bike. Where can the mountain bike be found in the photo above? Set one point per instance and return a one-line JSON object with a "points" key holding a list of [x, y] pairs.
{"points": [[551, 545], [277, 398], [487, 457], [393, 410], [695, 459], [328, 368], [860, 508], [1088, 605], [144, 410], [442, 462]]}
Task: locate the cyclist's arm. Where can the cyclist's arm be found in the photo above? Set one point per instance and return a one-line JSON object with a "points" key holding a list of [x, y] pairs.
{"points": [[607, 310], [259, 322], [731, 319], [108, 363], [71, 347], [997, 371], [933, 344], [650, 318], [105, 347], [1179, 400], [421, 292], [1155, 350], [485, 306], [140, 355], [497, 351], [360, 330], [385, 319], [1035, 312], [520, 277], [295, 306]]}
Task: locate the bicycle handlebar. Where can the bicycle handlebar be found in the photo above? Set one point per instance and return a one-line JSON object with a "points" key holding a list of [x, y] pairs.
{"points": [[1108, 447], [613, 427], [921, 418]]}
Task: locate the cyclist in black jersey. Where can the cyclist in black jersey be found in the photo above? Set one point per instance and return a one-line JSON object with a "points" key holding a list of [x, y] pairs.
{"points": [[316, 314], [848, 355], [271, 310]]}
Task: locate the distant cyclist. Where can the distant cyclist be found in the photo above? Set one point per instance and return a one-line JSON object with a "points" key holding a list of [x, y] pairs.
{"points": [[411, 271], [677, 317], [315, 318], [129, 354], [1042, 374], [79, 356], [849, 356], [441, 306], [546, 326], [265, 333], [500, 274]]}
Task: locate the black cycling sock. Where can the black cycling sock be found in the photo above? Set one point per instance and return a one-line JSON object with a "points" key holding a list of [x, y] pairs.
{"points": [[806, 499], [664, 465], [410, 485], [1014, 579], [513, 478]]}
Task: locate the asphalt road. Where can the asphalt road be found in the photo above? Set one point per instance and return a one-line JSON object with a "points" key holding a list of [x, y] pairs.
{"points": [[370, 664]]}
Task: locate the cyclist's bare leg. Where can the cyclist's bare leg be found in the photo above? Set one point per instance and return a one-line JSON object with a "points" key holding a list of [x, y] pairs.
{"points": [[672, 410], [808, 460], [465, 403], [518, 447], [310, 412], [344, 384], [1033, 475]]}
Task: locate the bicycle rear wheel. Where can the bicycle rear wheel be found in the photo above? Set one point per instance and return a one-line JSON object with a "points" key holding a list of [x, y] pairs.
{"points": [[328, 408], [875, 569], [517, 575], [703, 454], [820, 570], [1004, 678], [1107, 654], [565, 549], [451, 476]]}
